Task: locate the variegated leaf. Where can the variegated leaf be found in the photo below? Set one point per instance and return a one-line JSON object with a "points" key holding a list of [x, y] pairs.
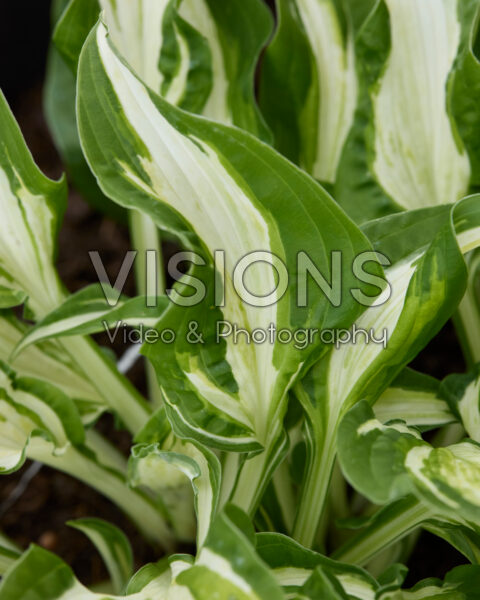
{"points": [[459, 584], [113, 546], [171, 473], [192, 52], [227, 566], [309, 84], [96, 308], [387, 462], [59, 107], [427, 279], [41, 423], [32, 207], [181, 48], [293, 565], [415, 399], [203, 182], [51, 363], [411, 142], [462, 392], [386, 528], [39, 574], [467, 323]]}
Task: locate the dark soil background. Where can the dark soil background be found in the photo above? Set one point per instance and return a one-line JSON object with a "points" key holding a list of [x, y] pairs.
{"points": [[51, 498]]}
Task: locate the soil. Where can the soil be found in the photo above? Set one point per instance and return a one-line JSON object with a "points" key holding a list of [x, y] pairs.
{"points": [[53, 498]]}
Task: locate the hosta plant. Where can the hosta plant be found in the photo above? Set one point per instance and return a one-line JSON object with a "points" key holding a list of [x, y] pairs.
{"points": [[316, 169]]}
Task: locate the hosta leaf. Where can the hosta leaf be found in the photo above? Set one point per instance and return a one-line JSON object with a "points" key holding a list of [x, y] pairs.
{"points": [[113, 546], [94, 309], [293, 565], [433, 275], [469, 311], [459, 584], [32, 409], [404, 150], [9, 297], [52, 364], [83, 371], [465, 539], [427, 279], [377, 461], [390, 461], [226, 567], [168, 472], [39, 422], [193, 52], [157, 573], [308, 89], [323, 585], [390, 525], [227, 564], [414, 398], [73, 24], [462, 392], [32, 207], [393, 522], [221, 186], [41, 575], [91, 465], [464, 85], [59, 106]]}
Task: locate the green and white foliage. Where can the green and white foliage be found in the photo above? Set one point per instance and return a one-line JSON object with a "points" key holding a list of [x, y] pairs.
{"points": [[191, 51], [171, 473], [469, 311], [411, 144], [309, 85], [427, 279], [386, 462], [194, 53], [462, 392], [306, 574], [152, 105], [32, 207], [293, 567], [203, 183], [377, 99], [226, 564], [59, 106], [460, 583], [39, 422], [415, 399], [93, 309], [113, 546], [50, 362]]}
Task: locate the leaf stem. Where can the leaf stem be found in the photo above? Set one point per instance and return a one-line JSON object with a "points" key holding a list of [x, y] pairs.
{"points": [[283, 489], [315, 488], [251, 483], [392, 524], [467, 318], [83, 465], [256, 472], [119, 394], [145, 237]]}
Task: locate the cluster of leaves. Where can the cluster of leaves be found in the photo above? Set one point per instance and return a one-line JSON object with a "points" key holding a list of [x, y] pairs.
{"points": [[365, 140]]}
